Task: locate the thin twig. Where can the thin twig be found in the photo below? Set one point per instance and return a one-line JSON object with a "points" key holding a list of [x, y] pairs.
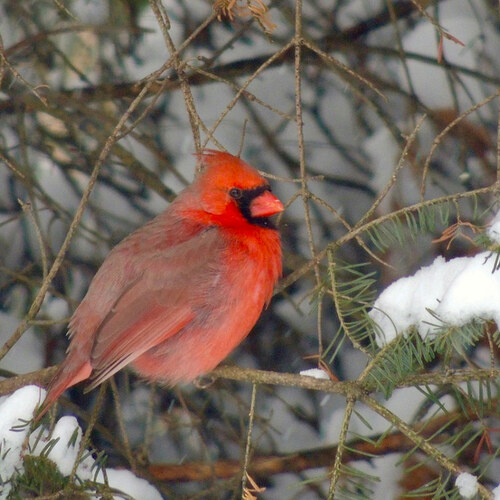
{"points": [[445, 131], [246, 460]]}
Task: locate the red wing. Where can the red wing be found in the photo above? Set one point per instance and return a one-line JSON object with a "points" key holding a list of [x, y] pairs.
{"points": [[158, 305], [133, 329]]}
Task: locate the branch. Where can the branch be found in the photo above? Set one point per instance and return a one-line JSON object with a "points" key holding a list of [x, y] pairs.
{"points": [[351, 388]]}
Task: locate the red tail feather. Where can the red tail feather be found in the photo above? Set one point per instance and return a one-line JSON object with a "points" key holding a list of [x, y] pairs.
{"points": [[66, 377]]}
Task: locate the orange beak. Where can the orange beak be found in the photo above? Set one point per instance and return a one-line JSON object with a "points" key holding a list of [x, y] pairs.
{"points": [[265, 205]]}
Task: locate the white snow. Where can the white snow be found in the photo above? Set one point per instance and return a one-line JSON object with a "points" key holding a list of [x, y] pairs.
{"points": [[496, 493], [456, 291], [17, 410], [315, 373], [65, 452], [466, 484], [126, 481], [475, 292]]}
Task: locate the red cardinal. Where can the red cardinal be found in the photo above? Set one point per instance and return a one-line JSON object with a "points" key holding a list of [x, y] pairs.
{"points": [[175, 297]]}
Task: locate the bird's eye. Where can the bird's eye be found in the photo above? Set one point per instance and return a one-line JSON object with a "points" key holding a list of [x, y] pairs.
{"points": [[235, 193]]}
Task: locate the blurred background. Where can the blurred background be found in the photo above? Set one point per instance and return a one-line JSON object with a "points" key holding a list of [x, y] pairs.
{"points": [[378, 134]]}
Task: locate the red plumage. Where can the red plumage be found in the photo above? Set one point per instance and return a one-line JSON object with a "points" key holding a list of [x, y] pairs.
{"points": [[176, 296]]}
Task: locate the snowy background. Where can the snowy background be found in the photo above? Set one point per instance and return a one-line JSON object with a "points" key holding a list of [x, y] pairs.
{"points": [[394, 189]]}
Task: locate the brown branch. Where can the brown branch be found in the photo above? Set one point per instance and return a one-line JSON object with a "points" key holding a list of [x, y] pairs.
{"points": [[43, 377], [14, 382]]}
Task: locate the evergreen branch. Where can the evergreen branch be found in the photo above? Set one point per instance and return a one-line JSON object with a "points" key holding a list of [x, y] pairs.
{"points": [[367, 226], [421, 442]]}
